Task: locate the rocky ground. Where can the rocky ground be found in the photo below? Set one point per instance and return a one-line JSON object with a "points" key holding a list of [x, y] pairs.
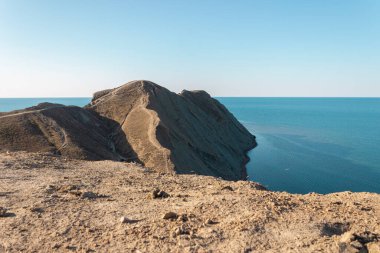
{"points": [[51, 204]]}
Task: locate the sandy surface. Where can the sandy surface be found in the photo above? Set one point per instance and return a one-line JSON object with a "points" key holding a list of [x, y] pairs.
{"points": [[51, 204]]}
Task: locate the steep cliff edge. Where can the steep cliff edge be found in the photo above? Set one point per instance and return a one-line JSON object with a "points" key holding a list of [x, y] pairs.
{"points": [[186, 132], [140, 121]]}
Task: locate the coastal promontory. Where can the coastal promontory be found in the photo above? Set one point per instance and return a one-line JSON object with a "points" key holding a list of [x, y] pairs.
{"points": [[140, 121]]}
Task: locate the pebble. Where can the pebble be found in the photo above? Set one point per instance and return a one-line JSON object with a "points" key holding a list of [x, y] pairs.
{"points": [[183, 217], [210, 222], [347, 237], [182, 230], [373, 247], [125, 220], [89, 195], [227, 188], [158, 194], [50, 189], [170, 216], [37, 210], [356, 244], [3, 212]]}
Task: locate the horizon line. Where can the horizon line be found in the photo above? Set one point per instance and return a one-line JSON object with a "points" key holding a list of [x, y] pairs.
{"points": [[213, 97]]}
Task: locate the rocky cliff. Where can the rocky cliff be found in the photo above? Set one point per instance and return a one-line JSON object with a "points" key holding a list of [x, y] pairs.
{"points": [[140, 121], [183, 132]]}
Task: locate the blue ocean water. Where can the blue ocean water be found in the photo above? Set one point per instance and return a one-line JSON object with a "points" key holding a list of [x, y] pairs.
{"points": [[304, 144]]}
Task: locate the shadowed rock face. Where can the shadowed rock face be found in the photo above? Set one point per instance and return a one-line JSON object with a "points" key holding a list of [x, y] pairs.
{"points": [[140, 121], [67, 130], [186, 132]]}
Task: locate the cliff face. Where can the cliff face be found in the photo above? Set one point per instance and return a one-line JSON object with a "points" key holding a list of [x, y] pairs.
{"points": [[186, 132], [140, 121]]}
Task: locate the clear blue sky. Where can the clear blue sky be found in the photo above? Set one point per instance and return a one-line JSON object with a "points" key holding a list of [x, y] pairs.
{"points": [[229, 48]]}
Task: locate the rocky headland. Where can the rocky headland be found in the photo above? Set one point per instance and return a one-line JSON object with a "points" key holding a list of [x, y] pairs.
{"points": [[142, 122], [119, 176]]}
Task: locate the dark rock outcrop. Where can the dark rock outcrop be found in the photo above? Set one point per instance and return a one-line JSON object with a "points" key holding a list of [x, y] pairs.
{"points": [[140, 121]]}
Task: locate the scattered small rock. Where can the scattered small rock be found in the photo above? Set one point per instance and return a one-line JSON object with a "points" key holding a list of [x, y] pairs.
{"points": [[183, 195], [170, 216], [183, 217], [56, 246], [347, 237], [366, 209], [227, 188], [72, 189], [3, 212], [50, 189], [210, 222], [257, 186], [37, 210], [367, 237], [71, 247], [373, 247], [124, 219], [248, 250], [89, 195], [158, 194], [356, 245], [335, 228], [360, 242], [182, 230]]}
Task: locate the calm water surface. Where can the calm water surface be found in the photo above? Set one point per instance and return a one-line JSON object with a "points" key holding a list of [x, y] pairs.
{"points": [[305, 144], [313, 144]]}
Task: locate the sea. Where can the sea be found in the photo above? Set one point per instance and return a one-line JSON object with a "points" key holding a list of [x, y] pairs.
{"points": [[321, 145]]}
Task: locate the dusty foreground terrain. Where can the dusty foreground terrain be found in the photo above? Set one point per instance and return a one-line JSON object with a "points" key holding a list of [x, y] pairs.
{"points": [[50, 204]]}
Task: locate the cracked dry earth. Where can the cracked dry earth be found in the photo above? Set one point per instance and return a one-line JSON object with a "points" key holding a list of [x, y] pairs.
{"points": [[52, 204]]}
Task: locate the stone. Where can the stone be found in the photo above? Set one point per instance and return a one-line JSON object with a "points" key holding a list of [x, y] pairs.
{"points": [[170, 216], [124, 220], [229, 188], [356, 244], [347, 237], [210, 222], [373, 247], [183, 218], [89, 195], [182, 230], [50, 189], [37, 210], [3, 211], [157, 193]]}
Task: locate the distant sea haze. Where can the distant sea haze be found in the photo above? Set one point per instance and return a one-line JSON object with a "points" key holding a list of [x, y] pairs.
{"points": [[305, 145]]}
